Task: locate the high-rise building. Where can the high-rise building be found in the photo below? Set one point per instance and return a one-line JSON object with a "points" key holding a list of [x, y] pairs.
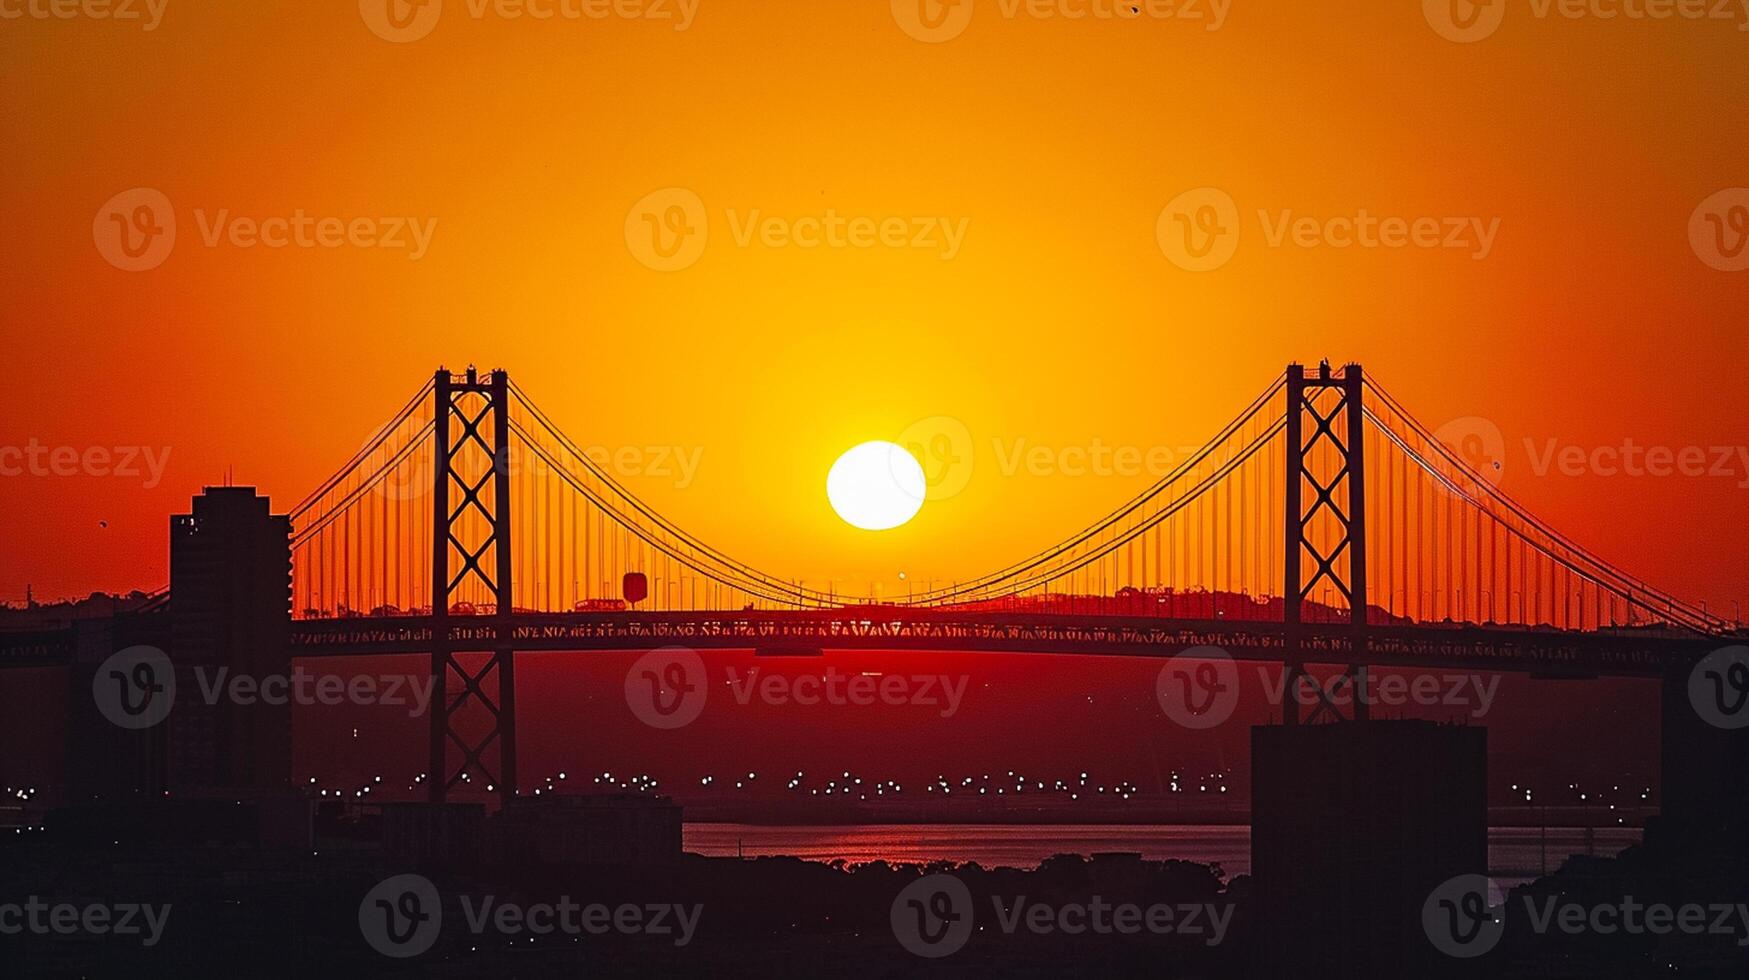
{"points": [[230, 589], [1706, 773], [1353, 826]]}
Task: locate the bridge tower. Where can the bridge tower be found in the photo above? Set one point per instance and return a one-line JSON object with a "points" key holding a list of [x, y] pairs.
{"points": [[472, 527], [1326, 526]]}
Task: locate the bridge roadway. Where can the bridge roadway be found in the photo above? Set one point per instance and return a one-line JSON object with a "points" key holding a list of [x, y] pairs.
{"points": [[1610, 653], [1614, 653]]}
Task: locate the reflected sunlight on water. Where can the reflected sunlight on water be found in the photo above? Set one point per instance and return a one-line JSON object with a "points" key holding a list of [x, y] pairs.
{"points": [[1515, 853]]}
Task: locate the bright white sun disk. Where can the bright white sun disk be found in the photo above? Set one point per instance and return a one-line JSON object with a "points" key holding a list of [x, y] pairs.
{"points": [[876, 486]]}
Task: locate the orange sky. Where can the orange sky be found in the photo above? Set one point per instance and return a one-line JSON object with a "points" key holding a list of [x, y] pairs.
{"points": [[1059, 319]]}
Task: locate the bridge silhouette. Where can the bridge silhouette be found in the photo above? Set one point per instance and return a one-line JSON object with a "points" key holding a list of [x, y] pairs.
{"points": [[1323, 526]]}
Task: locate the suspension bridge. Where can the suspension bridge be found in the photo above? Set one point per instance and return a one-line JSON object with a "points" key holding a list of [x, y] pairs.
{"points": [[1324, 525]]}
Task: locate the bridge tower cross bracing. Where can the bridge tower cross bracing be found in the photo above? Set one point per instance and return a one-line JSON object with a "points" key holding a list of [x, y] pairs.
{"points": [[472, 452], [1325, 524]]}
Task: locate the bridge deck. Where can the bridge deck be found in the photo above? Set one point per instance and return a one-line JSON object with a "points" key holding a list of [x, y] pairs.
{"points": [[1624, 653], [1620, 653]]}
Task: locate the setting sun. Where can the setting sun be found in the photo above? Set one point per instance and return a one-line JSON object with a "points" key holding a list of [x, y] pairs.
{"points": [[876, 486]]}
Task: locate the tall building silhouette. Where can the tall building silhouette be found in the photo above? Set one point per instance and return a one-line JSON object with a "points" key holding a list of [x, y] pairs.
{"points": [[230, 579], [1705, 776], [1353, 826]]}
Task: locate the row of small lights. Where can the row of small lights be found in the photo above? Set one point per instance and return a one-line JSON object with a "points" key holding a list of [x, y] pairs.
{"points": [[644, 783], [1586, 796], [846, 784], [1074, 789], [25, 796]]}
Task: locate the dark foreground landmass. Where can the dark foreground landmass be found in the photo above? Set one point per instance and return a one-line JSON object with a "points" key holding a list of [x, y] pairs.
{"points": [[249, 911]]}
